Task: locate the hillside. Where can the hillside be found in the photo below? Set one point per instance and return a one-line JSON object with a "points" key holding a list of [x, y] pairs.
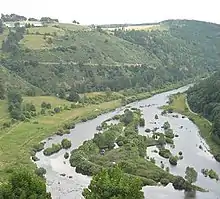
{"points": [[204, 98], [61, 56]]}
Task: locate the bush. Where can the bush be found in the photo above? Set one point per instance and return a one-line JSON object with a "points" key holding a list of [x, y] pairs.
{"points": [[173, 160], [69, 126], [164, 181], [66, 144], [142, 122], [169, 133], [6, 124], [66, 155], [43, 111], [57, 109], [51, 150], [38, 147], [166, 125], [156, 117], [40, 171], [169, 141], [165, 153]]}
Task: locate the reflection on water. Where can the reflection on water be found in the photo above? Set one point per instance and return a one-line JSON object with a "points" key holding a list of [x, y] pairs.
{"points": [[64, 182]]}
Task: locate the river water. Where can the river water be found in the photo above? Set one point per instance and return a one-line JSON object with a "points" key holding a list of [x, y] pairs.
{"points": [[71, 185]]}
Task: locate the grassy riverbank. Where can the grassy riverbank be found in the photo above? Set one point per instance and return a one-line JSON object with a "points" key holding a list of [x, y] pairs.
{"points": [[179, 104], [17, 141]]}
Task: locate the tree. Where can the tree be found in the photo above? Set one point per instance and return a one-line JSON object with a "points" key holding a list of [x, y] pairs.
{"points": [[62, 93], [113, 183], [2, 90], [1, 27], [73, 96], [24, 185], [191, 175], [66, 144]]}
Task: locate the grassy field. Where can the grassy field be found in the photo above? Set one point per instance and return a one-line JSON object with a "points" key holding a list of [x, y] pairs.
{"points": [[34, 42], [46, 30], [179, 105], [16, 142], [37, 101]]}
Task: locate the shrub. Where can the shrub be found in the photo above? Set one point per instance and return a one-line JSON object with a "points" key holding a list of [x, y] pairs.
{"points": [[40, 171], [156, 117], [38, 147], [164, 153], [66, 155], [166, 125], [51, 150], [173, 160], [164, 181], [66, 144], [43, 111], [169, 141], [57, 109], [142, 122], [169, 133]]}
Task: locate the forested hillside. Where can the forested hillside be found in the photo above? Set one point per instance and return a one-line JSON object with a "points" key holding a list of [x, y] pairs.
{"points": [[86, 59], [204, 98]]}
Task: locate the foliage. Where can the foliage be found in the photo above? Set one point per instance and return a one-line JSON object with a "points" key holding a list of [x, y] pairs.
{"points": [[142, 122], [66, 144], [191, 175], [40, 171], [166, 125], [51, 150], [173, 160], [204, 98], [25, 185], [211, 173], [113, 183], [164, 153]]}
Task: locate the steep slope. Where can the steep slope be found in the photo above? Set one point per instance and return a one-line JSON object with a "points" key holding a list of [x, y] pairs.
{"points": [[93, 59], [204, 98], [13, 81]]}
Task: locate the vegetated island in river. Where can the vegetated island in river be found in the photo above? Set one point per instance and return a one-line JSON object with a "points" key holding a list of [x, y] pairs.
{"points": [[178, 103], [121, 145]]}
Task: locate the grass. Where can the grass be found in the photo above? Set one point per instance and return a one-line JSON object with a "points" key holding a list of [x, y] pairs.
{"points": [[179, 105], [4, 116], [72, 27], [16, 142], [34, 42], [37, 101], [45, 30]]}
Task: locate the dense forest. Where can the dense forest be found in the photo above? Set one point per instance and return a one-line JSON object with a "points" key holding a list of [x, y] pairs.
{"points": [[97, 59], [204, 98]]}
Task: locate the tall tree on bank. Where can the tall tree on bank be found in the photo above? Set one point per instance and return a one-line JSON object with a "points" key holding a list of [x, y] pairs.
{"points": [[113, 183], [24, 185]]}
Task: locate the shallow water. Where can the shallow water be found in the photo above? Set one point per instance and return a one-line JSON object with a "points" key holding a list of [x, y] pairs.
{"points": [[188, 142]]}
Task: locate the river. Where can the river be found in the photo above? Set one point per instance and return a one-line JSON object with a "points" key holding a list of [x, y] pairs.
{"points": [[71, 185]]}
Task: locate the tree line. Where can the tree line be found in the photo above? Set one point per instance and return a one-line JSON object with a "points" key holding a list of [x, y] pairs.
{"points": [[204, 98]]}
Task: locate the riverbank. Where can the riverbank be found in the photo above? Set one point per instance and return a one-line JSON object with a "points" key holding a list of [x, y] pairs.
{"points": [[17, 141], [179, 104]]}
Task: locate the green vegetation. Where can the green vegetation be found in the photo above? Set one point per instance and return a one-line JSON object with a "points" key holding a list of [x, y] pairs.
{"points": [[136, 59], [211, 173], [113, 183], [98, 153], [51, 150], [23, 184], [66, 144], [191, 175], [179, 104], [173, 160], [204, 99]]}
